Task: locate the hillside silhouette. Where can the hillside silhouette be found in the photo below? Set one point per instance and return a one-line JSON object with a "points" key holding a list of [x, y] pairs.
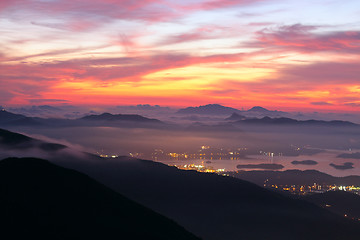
{"points": [[217, 207], [340, 202], [210, 206], [40, 200]]}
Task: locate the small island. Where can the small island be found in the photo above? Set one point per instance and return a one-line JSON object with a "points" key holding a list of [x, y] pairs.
{"points": [[267, 166], [304, 162], [345, 166]]}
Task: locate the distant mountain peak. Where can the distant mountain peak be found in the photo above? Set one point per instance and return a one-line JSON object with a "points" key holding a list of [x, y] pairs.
{"points": [[258, 109], [285, 120], [209, 109], [213, 105], [47, 201]]}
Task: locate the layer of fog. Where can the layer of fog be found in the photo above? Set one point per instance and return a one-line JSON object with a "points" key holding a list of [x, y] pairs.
{"points": [[164, 113], [316, 143], [267, 138]]}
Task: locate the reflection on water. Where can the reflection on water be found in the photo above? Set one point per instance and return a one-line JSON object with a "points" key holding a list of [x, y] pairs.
{"points": [[122, 141], [323, 159]]}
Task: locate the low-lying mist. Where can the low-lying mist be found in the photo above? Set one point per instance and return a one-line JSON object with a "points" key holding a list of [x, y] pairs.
{"points": [[122, 141], [259, 144]]}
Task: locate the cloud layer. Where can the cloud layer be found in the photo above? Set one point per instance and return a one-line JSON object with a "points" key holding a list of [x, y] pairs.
{"points": [[175, 53]]}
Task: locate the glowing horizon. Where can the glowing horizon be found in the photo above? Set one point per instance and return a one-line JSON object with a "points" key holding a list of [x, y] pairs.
{"points": [[278, 54]]}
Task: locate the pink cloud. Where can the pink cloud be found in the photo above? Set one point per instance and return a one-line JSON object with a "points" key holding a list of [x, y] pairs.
{"points": [[51, 53], [326, 76], [46, 101], [84, 15], [29, 81], [324, 73], [147, 10], [218, 4], [200, 33], [185, 37], [137, 67], [8, 3], [102, 10], [301, 38], [298, 84], [215, 4]]}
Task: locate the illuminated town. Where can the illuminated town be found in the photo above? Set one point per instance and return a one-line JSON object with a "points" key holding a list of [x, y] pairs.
{"points": [[200, 168], [315, 188], [207, 153], [220, 153]]}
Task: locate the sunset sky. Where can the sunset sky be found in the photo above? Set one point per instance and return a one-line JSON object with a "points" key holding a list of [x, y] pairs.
{"points": [[280, 54]]}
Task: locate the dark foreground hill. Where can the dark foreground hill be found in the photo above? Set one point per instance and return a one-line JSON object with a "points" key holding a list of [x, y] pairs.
{"points": [[211, 206], [340, 202], [216, 207], [40, 200]]}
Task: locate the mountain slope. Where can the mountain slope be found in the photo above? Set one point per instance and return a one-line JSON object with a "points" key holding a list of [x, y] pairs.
{"points": [[40, 200], [15, 141], [6, 116], [259, 110], [8, 119], [12, 139], [211, 206], [216, 207], [340, 202]]}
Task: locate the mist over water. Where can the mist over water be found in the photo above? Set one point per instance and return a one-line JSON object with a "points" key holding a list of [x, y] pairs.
{"points": [[327, 142]]}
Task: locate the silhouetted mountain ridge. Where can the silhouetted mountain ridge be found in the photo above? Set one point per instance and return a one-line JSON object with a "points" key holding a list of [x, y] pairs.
{"points": [[40, 200], [217, 109], [106, 119], [290, 121], [340, 202], [12, 118], [209, 109], [10, 138], [217, 207], [119, 117], [259, 109], [211, 206], [16, 141]]}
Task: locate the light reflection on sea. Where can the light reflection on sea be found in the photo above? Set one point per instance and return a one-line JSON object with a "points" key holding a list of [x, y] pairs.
{"points": [[121, 141], [323, 159]]}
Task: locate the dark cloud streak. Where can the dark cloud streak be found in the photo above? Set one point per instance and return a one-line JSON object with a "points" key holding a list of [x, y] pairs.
{"points": [[301, 38]]}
